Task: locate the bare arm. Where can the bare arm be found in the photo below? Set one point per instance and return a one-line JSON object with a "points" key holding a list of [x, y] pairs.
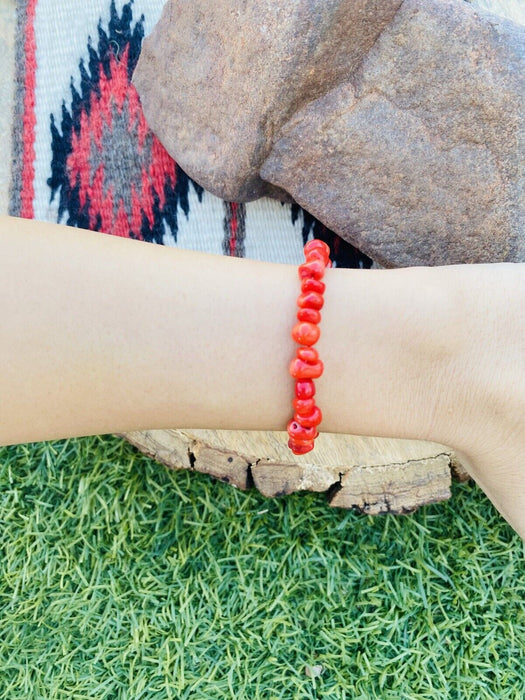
{"points": [[101, 334]]}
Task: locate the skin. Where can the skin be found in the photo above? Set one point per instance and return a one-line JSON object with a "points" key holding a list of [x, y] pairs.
{"points": [[102, 334]]}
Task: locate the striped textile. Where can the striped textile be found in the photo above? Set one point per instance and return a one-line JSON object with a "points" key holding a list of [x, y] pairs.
{"points": [[84, 155]]}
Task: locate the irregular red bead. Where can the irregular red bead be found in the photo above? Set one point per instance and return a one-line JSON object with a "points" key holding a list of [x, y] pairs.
{"points": [[303, 442], [311, 420], [303, 407], [312, 268], [309, 315], [311, 300], [317, 255], [309, 355], [300, 433], [306, 366], [316, 245], [300, 448], [306, 333], [312, 285], [299, 369], [304, 389]]}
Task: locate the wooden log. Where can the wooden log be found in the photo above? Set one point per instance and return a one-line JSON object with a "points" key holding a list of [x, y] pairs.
{"points": [[370, 474]]}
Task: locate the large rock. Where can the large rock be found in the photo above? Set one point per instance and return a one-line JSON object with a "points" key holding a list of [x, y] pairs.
{"points": [[401, 128], [219, 79]]}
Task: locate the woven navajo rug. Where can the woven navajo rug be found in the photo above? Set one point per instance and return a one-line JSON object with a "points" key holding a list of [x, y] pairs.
{"points": [[84, 155]]}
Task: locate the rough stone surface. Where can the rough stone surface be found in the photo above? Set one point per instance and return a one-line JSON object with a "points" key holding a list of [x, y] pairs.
{"points": [[219, 79], [400, 128]]}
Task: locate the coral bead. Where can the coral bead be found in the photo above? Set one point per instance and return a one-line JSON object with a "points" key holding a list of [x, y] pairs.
{"points": [[306, 333], [303, 407], [312, 268], [312, 285], [309, 355], [304, 389], [300, 448], [317, 246], [309, 315], [311, 300], [317, 255], [311, 420], [300, 433], [306, 366], [299, 369]]}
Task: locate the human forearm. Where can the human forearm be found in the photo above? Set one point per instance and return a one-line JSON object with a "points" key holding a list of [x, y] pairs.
{"points": [[102, 334], [107, 335]]}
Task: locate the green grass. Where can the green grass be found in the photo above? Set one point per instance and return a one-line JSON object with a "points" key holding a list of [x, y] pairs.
{"points": [[120, 579]]}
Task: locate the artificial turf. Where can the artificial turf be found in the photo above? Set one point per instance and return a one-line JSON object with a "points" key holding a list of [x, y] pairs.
{"points": [[120, 579]]}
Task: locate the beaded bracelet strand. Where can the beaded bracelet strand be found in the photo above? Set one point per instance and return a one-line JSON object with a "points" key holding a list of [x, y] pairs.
{"points": [[306, 366]]}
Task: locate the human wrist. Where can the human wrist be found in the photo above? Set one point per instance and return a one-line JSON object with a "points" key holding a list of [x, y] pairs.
{"points": [[385, 349]]}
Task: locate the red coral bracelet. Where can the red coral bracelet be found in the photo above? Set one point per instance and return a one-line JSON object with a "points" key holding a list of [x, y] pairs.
{"points": [[306, 366]]}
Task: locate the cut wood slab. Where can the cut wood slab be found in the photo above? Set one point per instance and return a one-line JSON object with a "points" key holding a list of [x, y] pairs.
{"points": [[372, 475]]}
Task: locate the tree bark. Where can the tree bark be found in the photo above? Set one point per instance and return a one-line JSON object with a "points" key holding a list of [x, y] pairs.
{"points": [[372, 475]]}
